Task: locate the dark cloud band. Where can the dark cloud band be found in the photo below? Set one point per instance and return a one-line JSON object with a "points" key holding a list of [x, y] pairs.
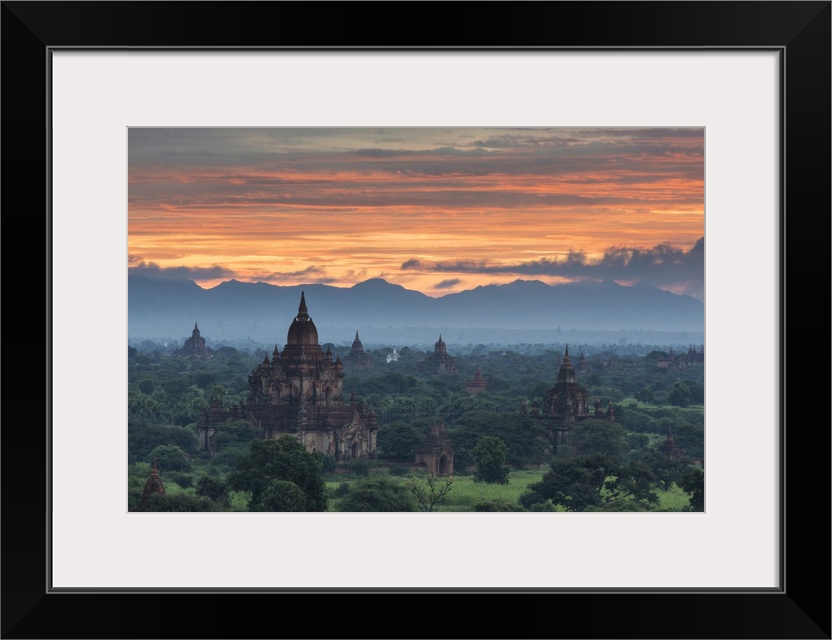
{"points": [[662, 265], [153, 270]]}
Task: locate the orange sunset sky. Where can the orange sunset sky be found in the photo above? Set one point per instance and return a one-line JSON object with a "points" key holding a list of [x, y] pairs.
{"points": [[436, 210]]}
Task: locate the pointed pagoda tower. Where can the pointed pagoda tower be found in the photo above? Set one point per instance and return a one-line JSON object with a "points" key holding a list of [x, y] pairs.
{"points": [[357, 358], [566, 403], [477, 384], [195, 347], [439, 361], [153, 486], [670, 448]]}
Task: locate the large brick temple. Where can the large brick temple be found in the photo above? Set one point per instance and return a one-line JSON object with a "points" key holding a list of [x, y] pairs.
{"points": [[299, 392], [567, 403]]}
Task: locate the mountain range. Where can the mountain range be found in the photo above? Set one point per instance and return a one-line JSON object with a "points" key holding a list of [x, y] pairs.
{"points": [[234, 310]]}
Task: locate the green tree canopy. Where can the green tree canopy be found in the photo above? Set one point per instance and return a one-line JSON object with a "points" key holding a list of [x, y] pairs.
{"points": [[142, 438], [666, 470], [181, 502], [490, 457], [169, 457], [136, 479], [399, 439], [574, 483], [645, 395], [282, 495], [235, 432], [679, 395], [212, 488], [635, 482], [190, 406], [693, 483], [145, 408], [602, 437], [594, 483], [697, 391], [281, 459], [497, 505], [377, 493], [691, 437], [359, 467], [525, 437], [458, 404], [328, 462]]}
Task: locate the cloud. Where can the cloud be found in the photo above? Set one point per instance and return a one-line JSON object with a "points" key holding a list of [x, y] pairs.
{"points": [[651, 133], [309, 275], [309, 271], [153, 270], [277, 167], [356, 275], [382, 153], [663, 265], [149, 256], [555, 140], [447, 284]]}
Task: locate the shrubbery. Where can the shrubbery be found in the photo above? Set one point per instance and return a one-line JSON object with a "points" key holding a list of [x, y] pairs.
{"points": [[377, 493]]}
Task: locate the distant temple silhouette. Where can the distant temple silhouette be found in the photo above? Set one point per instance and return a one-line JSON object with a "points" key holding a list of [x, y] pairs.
{"points": [[670, 448], [676, 361], [194, 347], [439, 361], [477, 384], [356, 358]]}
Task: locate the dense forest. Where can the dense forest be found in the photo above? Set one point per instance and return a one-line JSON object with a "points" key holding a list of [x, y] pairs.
{"points": [[503, 459]]}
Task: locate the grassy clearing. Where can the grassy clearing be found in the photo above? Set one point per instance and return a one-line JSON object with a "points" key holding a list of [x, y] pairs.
{"points": [[463, 496], [465, 493], [673, 500]]}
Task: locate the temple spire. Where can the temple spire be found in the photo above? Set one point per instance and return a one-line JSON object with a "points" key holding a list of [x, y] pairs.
{"points": [[566, 373], [303, 312]]}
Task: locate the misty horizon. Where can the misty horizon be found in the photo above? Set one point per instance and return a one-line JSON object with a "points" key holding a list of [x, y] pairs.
{"points": [[387, 314]]}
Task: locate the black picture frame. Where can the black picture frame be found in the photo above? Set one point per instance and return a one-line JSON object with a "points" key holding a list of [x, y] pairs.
{"points": [[800, 31]]}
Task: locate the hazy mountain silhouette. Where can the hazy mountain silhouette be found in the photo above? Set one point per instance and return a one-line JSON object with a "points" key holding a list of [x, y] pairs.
{"points": [[263, 312]]}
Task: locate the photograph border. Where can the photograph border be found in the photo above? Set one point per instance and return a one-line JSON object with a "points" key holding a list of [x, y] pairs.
{"points": [[798, 30]]}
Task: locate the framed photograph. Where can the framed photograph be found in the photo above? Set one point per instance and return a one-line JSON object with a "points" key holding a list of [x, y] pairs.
{"points": [[81, 78], [482, 254]]}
